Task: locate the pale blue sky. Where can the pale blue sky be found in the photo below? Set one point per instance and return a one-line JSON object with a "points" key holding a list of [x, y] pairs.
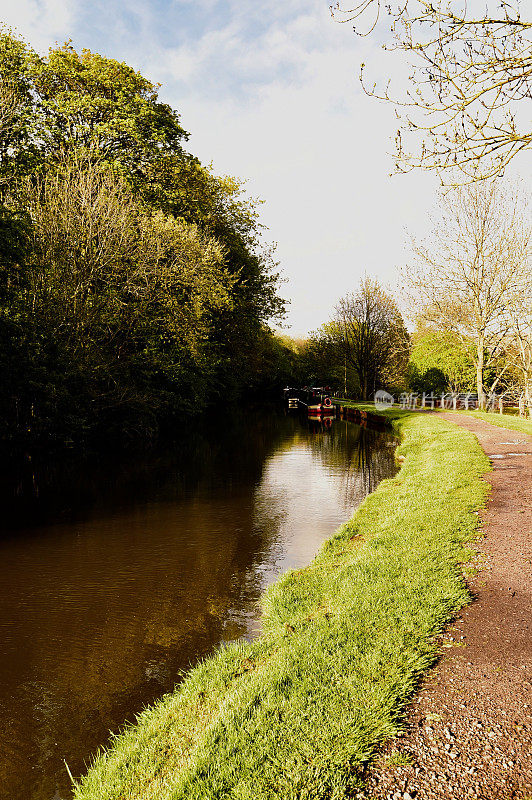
{"points": [[269, 92]]}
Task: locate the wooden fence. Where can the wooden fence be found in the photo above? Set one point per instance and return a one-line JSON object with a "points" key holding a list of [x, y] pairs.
{"points": [[502, 403]]}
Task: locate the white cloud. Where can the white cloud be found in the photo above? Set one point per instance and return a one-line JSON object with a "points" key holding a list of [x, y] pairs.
{"points": [[311, 144], [41, 22]]}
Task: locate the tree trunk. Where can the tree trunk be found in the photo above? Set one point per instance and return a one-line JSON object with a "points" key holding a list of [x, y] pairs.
{"points": [[480, 374], [527, 383]]}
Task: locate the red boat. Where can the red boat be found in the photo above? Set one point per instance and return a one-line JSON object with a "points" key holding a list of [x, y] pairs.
{"points": [[316, 402]]}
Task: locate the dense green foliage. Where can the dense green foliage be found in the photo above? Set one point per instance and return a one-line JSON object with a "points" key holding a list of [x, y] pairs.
{"points": [[323, 361], [276, 361], [298, 712], [440, 362], [134, 287]]}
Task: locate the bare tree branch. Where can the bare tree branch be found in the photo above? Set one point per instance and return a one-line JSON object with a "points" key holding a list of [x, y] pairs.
{"points": [[469, 75], [373, 335]]}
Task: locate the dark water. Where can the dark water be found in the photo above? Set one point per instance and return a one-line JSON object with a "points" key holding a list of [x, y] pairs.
{"points": [[116, 575]]}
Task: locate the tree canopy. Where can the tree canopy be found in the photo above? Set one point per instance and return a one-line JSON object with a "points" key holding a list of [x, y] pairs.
{"points": [[441, 361], [134, 283], [372, 335]]}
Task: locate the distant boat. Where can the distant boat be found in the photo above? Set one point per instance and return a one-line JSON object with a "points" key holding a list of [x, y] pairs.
{"points": [[291, 398], [316, 401]]}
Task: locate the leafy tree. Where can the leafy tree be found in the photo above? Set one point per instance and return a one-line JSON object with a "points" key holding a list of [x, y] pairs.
{"points": [[373, 337], [324, 362], [469, 272], [17, 118], [117, 303], [433, 380], [181, 186], [275, 363], [440, 361], [101, 107], [134, 284]]}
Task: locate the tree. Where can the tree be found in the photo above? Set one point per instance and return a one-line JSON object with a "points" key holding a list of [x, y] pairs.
{"points": [[324, 362], [440, 361], [468, 273], [101, 107], [17, 120], [109, 112], [469, 74], [115, 304], [274, 364], [134, 283], [519, 344], [373, 336], [8, 110]]}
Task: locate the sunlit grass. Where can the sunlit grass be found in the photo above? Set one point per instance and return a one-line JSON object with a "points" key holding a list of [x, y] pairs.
{"points": [[296, 713], [397, 759], [503, 421]]}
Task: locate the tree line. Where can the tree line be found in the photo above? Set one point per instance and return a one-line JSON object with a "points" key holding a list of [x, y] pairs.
{"points": [[468, 294], [468, 288], [135, 287]]}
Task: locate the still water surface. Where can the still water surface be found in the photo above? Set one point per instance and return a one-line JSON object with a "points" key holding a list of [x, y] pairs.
{"points": [[116, 575]]}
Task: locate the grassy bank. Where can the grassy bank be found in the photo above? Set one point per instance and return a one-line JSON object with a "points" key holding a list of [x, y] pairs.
{"points": [[503, 421], [297, 712]]}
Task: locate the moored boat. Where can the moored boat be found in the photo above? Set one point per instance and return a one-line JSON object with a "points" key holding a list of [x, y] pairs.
{"points": [[316, 402], [291, 398]]}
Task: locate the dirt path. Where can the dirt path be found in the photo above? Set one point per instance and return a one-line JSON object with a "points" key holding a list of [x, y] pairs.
{"points": [[469, 732]]}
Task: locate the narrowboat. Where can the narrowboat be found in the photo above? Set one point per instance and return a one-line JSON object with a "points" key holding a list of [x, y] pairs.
{"points": [[316, 402]]}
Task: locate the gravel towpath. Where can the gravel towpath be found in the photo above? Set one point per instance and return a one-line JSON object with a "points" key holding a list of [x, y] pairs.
{"points": [[468, 734]]}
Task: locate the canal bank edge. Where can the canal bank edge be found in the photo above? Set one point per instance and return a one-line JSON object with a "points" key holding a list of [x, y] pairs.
{"points": [[299, 712]]}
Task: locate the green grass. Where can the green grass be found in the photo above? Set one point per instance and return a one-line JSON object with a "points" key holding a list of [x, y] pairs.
{"points": [[397, 759], [503, 421], [296, 713], [507, 421]]}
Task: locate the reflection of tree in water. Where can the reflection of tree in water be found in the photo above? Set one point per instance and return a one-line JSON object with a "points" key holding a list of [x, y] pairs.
{"points": [[138, 567], [362, 456], [39, 488], [118, 642]]}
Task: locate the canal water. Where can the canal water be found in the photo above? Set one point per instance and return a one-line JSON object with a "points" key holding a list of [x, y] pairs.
{"points": [[118, 574]]}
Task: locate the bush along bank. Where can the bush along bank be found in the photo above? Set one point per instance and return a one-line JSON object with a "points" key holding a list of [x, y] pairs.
{"points": [[297, 712]]}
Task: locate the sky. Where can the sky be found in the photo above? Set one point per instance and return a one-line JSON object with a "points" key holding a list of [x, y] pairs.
{"points": [[269, 92]]}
